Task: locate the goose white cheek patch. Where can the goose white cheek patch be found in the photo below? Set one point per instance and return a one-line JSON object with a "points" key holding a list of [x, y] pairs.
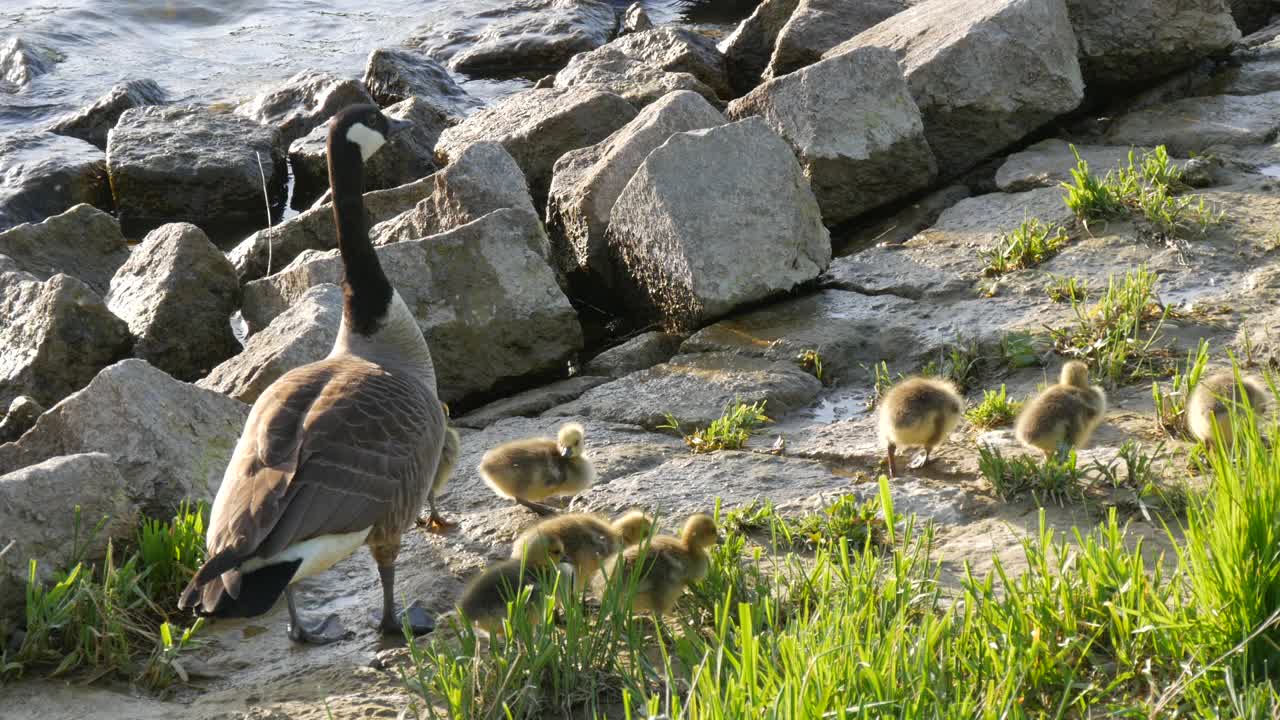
{"points": [[368, 139]]}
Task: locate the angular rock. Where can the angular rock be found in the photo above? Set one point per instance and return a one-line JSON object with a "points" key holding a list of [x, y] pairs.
{"points": [[635, 20], [715, 219], [1128, 42], [409, 155], [1191, 125], [639, 353], [482, 178], [22, 415], [270, 249], [42, 174], [748, 49], [1250, 15], [522, 36], [21, 62], [484, 297], [587, 181], [816, 26], [302, 334], [304, 102], [55, 336], [392, 75], [983, 72], [190, 164], [854, 127], [171, 440], [92, 124], [696, 389], [679, 50], [177, 292], [83, 242], [538, 126], [530, 402], [608, 69], [38, 512]]}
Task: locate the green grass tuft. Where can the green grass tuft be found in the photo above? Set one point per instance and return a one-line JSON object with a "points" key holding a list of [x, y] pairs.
{"points": [[1056, 480], [1067, 289], [1030, 244], [1146, 189], [995, 410], [1117, 335], [1171, 404], [727, 432], [811, 362]]}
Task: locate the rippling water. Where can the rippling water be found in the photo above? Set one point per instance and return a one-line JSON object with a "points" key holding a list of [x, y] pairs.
{"points": [[226, 50]]}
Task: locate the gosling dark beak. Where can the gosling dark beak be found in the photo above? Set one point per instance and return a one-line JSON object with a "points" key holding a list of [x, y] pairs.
{"points": [[395, 126], [566, 452]]}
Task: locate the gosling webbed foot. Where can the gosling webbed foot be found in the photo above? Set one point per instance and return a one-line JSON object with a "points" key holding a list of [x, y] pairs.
{"points": [[919, 461], [538, 508], [435, 523], [420, 622], [324, 632]]}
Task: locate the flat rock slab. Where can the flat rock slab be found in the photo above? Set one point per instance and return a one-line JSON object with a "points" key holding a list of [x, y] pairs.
{"points": [[639, 353], [83, 242], [1049, 163], [853, 125], [92, 123], [304, 102], [696, 389], [392, 75], [191, 164], [530, 402], [1193, 124], [303, 334], [714, 219], [984, 72], [170, 439], [485, 298], [42, 174]]}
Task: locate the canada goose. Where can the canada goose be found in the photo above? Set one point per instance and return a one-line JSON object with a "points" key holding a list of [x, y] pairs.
{"points": [[588, 540], [1064, 415], [448, 459], [485, 599], [670, 564], [538, 468], [338, 453], [1211, 401], [918, 412]]}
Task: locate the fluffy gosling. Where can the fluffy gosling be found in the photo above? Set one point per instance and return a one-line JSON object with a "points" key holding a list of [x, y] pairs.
{"points": [[448, 459], [918, 412], [670, 565], [588, 540], [485, 599], [538, 468], [1211, 402], [1065, 415]]}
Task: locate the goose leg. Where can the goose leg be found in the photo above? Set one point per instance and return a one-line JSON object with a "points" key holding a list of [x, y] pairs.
{"points": [[320, 633], [391, 621], [889, 453], [538, 508]]}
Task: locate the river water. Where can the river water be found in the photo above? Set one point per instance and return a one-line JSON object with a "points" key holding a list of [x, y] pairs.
{"points": [[212, 51]]}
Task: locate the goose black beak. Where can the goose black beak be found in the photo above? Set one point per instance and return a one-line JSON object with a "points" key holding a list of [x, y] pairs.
{"points": [[395, 126]]}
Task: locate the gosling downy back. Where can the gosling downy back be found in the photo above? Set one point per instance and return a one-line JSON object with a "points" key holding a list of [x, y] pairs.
{"points": [[1211, 401], [1065, 414], [538, 468]]}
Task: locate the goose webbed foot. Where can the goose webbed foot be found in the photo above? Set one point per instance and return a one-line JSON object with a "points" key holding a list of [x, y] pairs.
{"points": [[419, 620], [329, 630], [919, 461], [538, 508]]}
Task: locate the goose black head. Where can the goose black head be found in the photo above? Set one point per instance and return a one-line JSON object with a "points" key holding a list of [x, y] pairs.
{"points": [[364, 128]]}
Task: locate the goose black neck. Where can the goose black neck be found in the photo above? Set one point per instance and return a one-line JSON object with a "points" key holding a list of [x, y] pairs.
{"points": [[365, 288]]}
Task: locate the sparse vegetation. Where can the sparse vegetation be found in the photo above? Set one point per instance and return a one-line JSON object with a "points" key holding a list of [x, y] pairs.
{"points": [[1030, 244], [995, 410], [1146, 189], [1171, 404], [811, 362], [847, 518], [1117, 335], [1018, 350], [958, 363], [1063, 289], [727, 432], [1057, 479]]}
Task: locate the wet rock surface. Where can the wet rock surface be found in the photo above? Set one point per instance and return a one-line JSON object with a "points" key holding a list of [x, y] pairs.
{"points": [[639, 353], [304, 102], [190, 164], [177, 292], [302, 334], [1049, 163], [1193, 124], [83, 242], [21, 62], [392, 75], [94, 122], [43, 174]]}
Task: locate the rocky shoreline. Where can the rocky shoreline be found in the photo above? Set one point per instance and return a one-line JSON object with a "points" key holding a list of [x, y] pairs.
{"points": [[659, 228]]}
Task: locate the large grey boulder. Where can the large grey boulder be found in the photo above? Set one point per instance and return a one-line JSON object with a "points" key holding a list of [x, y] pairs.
{"points": [[679, 50], [482, 178], [635, 19], [38, 506], [748, 48], [816, 26], [304, 102], [608, 69], [714, 219], [392, 75], [523, 36], [854, 127], [83, 242], [21, 416], [43, 174], [272, 248], [22, 62], [170, 439], [55, 335], [408, 155], [302, 334], [1194, 124], [587, 181], [92, 123], [177, 292], [983, 72], [1128, 42], [191, 164], [485, 298], [538, 126]]}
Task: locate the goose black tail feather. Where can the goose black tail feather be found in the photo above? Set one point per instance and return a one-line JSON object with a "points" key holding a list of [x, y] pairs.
{"points": [[211, 570], [256, 592]]}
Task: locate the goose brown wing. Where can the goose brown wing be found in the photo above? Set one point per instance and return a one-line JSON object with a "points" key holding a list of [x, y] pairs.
{"points": [[328, 449]]}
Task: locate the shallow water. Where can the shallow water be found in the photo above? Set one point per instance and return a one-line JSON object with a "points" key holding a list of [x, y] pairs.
{"points": [[227, 50]]}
